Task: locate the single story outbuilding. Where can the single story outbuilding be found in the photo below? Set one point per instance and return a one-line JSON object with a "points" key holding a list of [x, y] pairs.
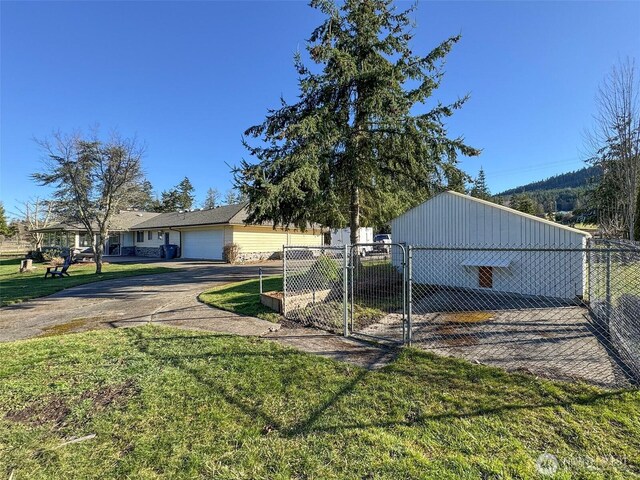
{"points": [[464, 242], [199, 234]]}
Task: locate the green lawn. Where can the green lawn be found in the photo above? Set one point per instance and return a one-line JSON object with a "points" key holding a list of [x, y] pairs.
{"points": [[18, 287], [168, 403], [244, 297]]}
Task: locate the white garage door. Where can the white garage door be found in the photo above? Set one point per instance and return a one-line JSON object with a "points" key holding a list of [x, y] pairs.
{"points": [[203, 244]]}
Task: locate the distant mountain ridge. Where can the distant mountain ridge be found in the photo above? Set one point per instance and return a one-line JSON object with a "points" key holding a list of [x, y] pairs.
{"points": [[576, 179]]}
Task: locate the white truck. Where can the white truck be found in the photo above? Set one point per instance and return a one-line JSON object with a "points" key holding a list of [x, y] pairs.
{"points": [[342, 236]]}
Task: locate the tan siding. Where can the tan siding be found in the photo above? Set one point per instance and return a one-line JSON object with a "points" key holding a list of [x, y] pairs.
{"points": [[265, 239]]}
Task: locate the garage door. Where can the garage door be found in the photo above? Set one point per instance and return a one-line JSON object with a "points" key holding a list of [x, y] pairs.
{"points": [[203, 244]]}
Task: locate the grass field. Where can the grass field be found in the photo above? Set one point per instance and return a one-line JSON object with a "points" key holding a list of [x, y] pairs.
{"points": [[18, 287], [243, 298], [156, 402]]}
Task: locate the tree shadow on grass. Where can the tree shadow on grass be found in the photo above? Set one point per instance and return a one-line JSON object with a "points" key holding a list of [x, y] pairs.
{"points": [[480, 391]]}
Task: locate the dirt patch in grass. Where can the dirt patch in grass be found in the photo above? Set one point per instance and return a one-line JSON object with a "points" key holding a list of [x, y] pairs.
{"points": [[53, 409], [111, 394]]}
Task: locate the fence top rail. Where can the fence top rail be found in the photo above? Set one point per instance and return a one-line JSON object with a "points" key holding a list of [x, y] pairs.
{"points": [[525, 249], [403, 246], [312, 247]]}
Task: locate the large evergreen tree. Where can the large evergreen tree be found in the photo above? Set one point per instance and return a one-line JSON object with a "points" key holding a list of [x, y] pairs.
{"points": [[144, 198], [353, 150], [186, 194]]}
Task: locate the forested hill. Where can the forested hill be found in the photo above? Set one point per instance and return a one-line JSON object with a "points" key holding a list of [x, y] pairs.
{"points": [[576, 179]]}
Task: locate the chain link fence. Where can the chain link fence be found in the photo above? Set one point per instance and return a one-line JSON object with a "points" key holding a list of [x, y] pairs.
{"points": [[378, 300], [614, 296], [567, 313], [315, 286]]}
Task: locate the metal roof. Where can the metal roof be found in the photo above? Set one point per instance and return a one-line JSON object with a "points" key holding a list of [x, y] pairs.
{"points": [[502, 207]]}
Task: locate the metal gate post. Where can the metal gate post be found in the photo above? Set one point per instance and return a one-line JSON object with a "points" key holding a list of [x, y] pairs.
{"points": [[409, 293], [404, 291], [284, 281], [608, 285], [351, 282], [345, 289]]}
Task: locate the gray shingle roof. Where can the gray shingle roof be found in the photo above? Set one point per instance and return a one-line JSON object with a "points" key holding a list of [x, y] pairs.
{"points": [[233, 214], [121, 221]]}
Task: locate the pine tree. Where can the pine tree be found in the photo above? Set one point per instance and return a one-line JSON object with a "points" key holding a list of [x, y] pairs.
{"points": [[524, 203], [144, 199], [212, 199], [186, 195], [179, 198], [480, 188], [353, 150]]}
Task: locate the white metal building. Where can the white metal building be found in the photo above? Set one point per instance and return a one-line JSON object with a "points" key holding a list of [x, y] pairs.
{"points": [[470, 239]]}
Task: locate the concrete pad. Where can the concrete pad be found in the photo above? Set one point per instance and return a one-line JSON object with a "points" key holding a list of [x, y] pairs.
{"points": [[167, 298], [550, 342], [325, 344]]}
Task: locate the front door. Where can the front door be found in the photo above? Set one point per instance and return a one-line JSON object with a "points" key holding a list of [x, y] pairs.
{"points": [[113, 244]]}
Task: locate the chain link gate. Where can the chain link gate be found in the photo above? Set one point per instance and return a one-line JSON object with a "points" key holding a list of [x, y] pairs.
{"points": [[315, 285], [350, 290], [378, 292]]}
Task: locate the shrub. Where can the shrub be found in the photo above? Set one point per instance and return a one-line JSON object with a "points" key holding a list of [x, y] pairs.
{"points": [[231, 252], [52, 255], [326, 270]]}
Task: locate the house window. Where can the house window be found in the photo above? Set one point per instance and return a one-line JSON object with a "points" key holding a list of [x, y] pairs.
{"points": [[140, 236], [485, 277], [85, 240], [160, 235], [149, 235]]}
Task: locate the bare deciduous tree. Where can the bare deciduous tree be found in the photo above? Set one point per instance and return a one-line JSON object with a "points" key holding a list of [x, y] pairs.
{"points": [[35, 213], [615, 143], [93, 180]]}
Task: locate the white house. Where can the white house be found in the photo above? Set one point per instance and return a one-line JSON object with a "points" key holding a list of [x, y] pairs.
{"points": [[462, 241]]}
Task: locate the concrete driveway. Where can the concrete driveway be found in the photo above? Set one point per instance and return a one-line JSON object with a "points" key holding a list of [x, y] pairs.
{"points": [[167, 298]]}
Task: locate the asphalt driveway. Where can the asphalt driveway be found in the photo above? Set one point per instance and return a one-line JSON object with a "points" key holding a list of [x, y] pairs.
{"points": [[167, 298]]}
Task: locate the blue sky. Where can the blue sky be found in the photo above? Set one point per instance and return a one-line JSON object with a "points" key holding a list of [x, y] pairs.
{"points": [[189, 77]]}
